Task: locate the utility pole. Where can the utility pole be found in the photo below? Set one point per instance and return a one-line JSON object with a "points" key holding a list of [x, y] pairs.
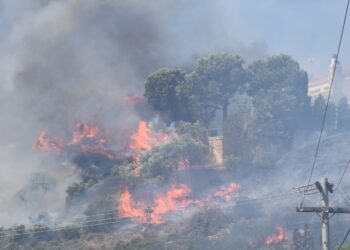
{"points": [[324, 187], [325, 214]]}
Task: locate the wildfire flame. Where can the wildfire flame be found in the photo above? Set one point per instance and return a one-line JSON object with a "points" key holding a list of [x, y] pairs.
{"points": [[280, 236], [173, 200], [144, 139], [90, 139], [127, 208], [87, 137], [83, 130], [176, 199], [46, 144], [228, 192]]}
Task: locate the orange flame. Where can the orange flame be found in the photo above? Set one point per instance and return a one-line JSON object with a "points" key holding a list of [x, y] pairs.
{"points": [[46, 144], [142, 139], [280, 236], [175, 199], [145, 138], [83, 130], [127, 208], [228, 192], [89, 139]]}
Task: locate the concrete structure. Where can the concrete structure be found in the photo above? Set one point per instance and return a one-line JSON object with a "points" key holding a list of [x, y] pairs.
{"points": [[341, 85], [216, 150]]}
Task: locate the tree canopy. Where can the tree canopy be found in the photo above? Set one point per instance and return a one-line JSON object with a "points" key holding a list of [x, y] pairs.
{"points": [[212, 83], [161, 93], [280, 79]]}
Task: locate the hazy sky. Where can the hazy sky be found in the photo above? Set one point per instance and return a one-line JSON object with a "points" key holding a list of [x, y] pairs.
{"points": [[308, 30]]}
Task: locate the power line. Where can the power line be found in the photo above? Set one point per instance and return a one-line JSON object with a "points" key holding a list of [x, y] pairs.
{"points": [[342, 243], [346, 197], [248, 201], [68, 227], [241, 202], [341, 178], [265, 197], [105, 221], [100, 224], [328, 98]]}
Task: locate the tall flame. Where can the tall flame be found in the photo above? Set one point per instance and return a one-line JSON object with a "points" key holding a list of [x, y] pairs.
{"points": [[142, 139], [127, 208], [280, 236]]}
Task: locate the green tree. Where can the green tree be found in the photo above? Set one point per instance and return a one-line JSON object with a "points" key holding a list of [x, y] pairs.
{"points": [[318, 109], [343, 115], [212, 84], [237, 135], [192, 130], [285, 85], [161, 94], [318, 112]]}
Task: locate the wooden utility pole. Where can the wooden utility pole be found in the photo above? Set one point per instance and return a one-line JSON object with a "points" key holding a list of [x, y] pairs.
{"points": [[324, 187]]}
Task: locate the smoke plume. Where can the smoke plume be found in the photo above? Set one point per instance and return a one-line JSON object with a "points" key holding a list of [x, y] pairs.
{"points": [[63, 62]]}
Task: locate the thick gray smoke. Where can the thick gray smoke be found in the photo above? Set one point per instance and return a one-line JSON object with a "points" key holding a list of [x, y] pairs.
{"points": [[62, 62]]}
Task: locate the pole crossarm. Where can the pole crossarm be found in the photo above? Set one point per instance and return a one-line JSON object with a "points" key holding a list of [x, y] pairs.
{"points": [[323, 188], [324, 210], [341, 210], [308, 189]]}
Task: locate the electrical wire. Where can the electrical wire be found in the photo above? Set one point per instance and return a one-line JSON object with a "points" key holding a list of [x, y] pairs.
{"points": [[341, 178], [91, 223], [346, 197], [342, 243], [328, 99]]}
